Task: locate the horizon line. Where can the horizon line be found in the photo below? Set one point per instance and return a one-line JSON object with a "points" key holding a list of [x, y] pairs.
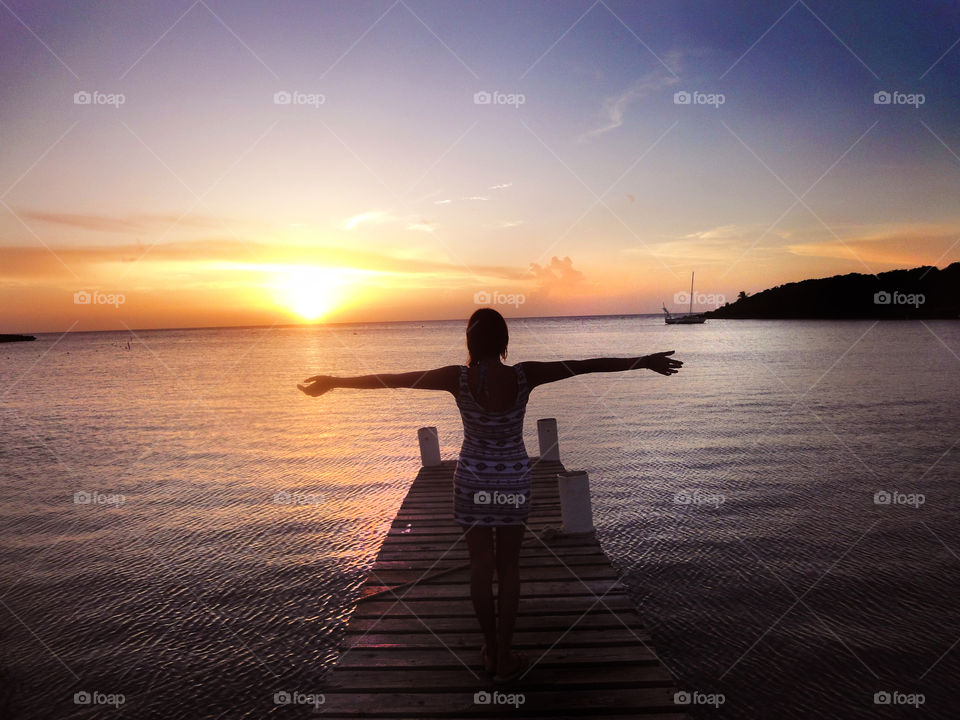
{"points": [[318, 324]]}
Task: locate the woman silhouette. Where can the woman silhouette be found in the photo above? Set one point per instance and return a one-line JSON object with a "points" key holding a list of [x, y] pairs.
{"points": [[491, 483]]}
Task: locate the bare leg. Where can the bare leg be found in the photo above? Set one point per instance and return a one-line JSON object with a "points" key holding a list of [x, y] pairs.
{"points": [[509, 540], [480, 544]]}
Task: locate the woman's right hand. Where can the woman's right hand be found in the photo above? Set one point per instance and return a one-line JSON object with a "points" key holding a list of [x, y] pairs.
{"points": [[317, 385], [661, 363]]}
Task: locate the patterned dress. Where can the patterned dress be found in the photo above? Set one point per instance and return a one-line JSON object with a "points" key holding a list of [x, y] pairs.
{"points": [[491, 485]]}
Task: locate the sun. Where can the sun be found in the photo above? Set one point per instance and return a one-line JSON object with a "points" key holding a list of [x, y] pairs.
{"points": [[310, 292]]}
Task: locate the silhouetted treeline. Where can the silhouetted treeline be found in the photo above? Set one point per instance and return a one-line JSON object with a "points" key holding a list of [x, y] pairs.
{"points": [[923, 292]]}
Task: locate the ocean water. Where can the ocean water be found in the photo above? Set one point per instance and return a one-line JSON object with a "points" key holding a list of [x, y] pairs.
{"points": [[780, 583]]}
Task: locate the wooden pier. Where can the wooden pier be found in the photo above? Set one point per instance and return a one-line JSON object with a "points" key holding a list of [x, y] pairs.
{"points": [[411, 648]]}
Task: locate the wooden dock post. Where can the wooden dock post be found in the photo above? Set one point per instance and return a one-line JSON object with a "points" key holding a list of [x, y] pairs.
{"points": [[576, 510], [549, 442], [412, 647], [429, 447]]}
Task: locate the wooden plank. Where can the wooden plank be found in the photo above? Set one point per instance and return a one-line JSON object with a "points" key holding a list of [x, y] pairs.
{"points": [[533, 550], [460, 574], [439, 704], [554, 716], [429, 637], [573, 675], [574, 604], [586, 588], [412, 649], [468, 623], [451, 540], [529, 561], [394, 657]]}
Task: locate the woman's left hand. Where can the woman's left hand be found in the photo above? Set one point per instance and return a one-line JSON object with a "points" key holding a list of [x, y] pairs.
{"points": [[316, 385]]}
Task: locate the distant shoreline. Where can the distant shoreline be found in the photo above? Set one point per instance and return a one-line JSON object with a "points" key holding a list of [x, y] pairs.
{"points": [[10, 338], [922, 293]]}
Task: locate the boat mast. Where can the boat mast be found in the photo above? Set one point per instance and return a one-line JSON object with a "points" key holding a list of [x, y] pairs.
{"points": [[691, 292]]}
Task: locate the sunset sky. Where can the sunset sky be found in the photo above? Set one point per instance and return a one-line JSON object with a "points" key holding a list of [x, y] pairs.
{"points": [[386, 189]]}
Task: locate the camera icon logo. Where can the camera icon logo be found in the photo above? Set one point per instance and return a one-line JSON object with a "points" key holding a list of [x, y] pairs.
{"points": [[881, 98], [82, 97], [681, 698], [881, 298], [281, 497], [82, 698], [81, 498], [481, 297], [681, 98], [482, 97], [282, 697], [681, 298], [881, 698], [482, 698], [282, 97], [682, 497], [481, 497], [882, 497], [81, 297]]}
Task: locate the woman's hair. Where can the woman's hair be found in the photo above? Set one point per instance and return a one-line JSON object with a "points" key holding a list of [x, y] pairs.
{"points": [[486, 335]]}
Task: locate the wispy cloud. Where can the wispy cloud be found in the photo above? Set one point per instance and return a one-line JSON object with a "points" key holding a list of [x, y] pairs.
{"points": [[501, 186], [722, 231], [476, 197], [142, 222], [614, 108], [170, 261], [374, 216], [380, 217], [422, 225]]}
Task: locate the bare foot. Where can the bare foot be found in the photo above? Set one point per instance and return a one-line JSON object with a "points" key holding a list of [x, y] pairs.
{"points": [[489, 662], [511, 666]]}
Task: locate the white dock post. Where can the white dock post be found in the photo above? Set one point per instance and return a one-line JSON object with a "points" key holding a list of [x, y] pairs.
{"points": [[549, 443], [575, 508], [429, 446]]}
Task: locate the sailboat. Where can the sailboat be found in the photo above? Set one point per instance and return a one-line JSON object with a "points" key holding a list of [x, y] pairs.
{"points": [[690, 319]]}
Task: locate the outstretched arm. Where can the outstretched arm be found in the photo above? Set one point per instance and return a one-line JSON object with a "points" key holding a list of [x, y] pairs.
{"points": [[445, 378], [540, 373]]}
